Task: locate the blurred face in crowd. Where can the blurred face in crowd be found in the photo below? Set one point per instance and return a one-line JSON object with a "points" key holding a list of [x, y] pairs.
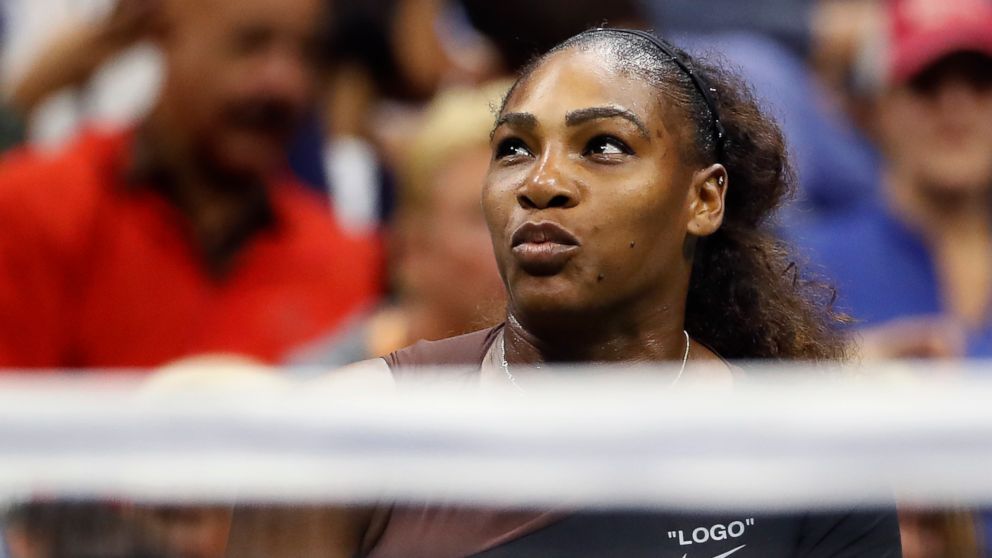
{"points": [[240, 74], [588, 196], [937, 128], [448, 255]]}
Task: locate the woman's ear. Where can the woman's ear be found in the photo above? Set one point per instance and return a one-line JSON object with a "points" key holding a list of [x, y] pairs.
{"points": [[706, 200]]}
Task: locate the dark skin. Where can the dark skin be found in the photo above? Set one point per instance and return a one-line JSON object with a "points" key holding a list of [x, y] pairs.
{"points": [[598, 154]]}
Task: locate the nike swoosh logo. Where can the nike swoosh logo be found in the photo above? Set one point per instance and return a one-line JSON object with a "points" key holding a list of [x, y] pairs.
{"points": [[724, 555], [729, 552]]}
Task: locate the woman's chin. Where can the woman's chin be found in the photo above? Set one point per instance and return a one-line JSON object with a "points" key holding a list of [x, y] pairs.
{"points": [[550, 306]]}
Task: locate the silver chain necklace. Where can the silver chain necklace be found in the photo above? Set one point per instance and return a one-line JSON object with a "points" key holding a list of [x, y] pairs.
{"points": [[513, 380]]}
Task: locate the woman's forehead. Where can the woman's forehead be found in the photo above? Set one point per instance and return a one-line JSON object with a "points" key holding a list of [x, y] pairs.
{"points": [[577, 79]]}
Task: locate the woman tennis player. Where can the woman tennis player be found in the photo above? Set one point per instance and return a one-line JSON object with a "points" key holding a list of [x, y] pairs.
{"points": [[628, 200]]}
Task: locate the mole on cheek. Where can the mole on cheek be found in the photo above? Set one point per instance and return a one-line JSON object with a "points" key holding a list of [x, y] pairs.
{"points": [[632, 243], [600, 277]]}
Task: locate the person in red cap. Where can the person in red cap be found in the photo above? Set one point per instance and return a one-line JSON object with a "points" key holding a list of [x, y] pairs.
{"points": [[915, 270], [186, 234]]}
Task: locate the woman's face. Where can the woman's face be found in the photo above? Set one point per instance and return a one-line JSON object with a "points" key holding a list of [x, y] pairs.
{"points": [[588, 199]]}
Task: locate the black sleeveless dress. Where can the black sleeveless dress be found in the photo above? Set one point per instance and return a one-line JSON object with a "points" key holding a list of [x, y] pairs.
{"points": [[436, 530]]}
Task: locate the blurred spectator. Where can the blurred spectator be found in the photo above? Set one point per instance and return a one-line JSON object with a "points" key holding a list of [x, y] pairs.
{"points": [[184, 235], [917, 267], [442, 264], [914, 268], [76, 65]]}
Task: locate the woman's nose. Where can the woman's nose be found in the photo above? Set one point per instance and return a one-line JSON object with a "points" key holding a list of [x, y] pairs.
{"points": [[547, 188]]}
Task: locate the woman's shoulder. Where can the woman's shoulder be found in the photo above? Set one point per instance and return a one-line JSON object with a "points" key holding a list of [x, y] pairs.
{"points": [[467, 349]]}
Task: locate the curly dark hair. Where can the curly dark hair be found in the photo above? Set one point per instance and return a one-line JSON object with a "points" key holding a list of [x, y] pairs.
{"points": [[747, 297]]}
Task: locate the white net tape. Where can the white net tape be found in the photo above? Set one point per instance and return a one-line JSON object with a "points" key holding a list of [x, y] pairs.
{"points": [[789, 438]]}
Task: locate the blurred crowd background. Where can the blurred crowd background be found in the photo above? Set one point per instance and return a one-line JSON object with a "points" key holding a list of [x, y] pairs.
{"points": [[298, 181]]}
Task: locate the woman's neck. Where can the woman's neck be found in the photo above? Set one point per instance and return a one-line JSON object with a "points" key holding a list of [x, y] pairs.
{"points": [[596, 340]]}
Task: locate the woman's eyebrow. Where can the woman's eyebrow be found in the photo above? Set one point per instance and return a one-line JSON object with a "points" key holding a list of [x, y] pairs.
{"points": [[524, 120], [581, 116]]}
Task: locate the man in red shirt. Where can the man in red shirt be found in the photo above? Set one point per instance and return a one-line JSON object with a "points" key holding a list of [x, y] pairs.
{"points": [[185, 235]]}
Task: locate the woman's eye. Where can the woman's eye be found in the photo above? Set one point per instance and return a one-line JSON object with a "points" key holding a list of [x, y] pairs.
{"points": [[607, 145], [511, 147]]}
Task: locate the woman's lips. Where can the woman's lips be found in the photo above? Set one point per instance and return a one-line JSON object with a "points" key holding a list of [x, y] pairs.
{"points": [[543, 248]]}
